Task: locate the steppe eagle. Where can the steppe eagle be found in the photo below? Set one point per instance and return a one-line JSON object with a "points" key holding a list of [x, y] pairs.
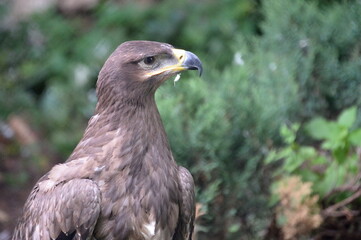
{"points": [[121, 181]]}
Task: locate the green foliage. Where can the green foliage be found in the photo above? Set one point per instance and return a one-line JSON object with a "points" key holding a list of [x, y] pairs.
{"points": [[318, 50], [337, 135], [334, 164]]}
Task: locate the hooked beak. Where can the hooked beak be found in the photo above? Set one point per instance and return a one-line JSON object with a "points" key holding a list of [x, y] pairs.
{"points": [[187, 61]]}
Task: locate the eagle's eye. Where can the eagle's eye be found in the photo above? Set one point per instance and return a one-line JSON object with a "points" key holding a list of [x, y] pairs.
{"points": [[149, 60]]}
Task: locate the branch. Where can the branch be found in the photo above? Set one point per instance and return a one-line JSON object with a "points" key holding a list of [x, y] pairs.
{"points": [[330, 211], [352, 186]]}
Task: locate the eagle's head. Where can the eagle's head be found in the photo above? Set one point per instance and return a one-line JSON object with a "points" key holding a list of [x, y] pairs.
{"points": [[137, 68]]}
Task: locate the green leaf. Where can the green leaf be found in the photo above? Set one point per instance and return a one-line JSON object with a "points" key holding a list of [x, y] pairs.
{"points": [[319, 160], [332, 145], [292, 163], [307, 152], [329, 182], [289, 133], [271, 157], [355, 137], [234, 228], [347, 117], [286, 152], [309, 176], [340, 154], [337, 137], [318, 128]]}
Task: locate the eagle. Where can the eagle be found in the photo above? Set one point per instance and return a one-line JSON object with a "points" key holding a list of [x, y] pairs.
{"points": [[121, 182]]}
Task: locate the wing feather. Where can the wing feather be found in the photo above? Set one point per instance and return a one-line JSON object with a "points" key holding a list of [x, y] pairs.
{"points": [[185, 224], [69, 210]]}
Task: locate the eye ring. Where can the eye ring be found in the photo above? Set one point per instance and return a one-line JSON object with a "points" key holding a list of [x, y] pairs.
{"points": [[149, 60]]}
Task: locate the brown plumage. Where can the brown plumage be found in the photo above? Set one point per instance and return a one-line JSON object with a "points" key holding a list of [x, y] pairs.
{"points": [[121, 182]]}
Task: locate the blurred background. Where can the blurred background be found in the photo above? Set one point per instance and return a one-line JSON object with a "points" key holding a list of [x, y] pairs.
{"points": [[271, 131]]}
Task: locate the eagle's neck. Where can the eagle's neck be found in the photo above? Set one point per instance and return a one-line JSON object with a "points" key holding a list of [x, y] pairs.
{"points": [[130, 133]]}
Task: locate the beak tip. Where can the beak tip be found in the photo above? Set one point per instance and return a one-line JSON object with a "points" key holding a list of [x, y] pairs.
{"points": [[200, 71], [192, 62]]}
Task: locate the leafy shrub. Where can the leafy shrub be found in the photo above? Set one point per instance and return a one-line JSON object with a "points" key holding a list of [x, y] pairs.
{"points": [[332, 170], [336, 162], [294, 70], [316, 49]]}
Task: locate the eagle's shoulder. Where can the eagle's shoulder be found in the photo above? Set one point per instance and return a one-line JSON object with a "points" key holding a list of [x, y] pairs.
{"points": [[81, 168]]}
